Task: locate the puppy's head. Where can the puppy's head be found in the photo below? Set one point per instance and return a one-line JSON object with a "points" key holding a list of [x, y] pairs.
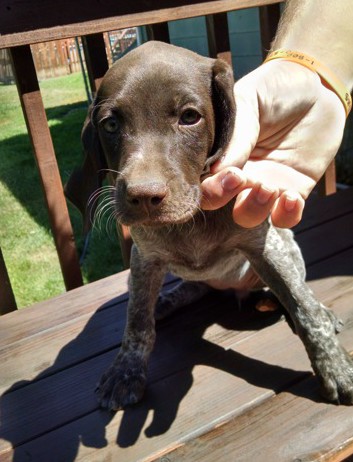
{"points": [[162, 115]]}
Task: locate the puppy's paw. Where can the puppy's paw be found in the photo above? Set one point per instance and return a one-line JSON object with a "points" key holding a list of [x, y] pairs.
{"points": [[121, 385], [336, 377]]}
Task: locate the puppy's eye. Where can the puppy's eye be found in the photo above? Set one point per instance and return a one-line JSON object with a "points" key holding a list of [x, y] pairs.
{"points": [[110, 125], [189, 117]]}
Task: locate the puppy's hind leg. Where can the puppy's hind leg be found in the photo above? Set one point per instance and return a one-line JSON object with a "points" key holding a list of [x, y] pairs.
{"points": [[185, 293]]}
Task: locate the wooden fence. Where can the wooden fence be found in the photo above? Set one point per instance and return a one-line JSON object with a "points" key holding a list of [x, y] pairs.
{"points": [[62, 57]]}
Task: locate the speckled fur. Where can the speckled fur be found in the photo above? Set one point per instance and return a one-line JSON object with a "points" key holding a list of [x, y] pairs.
{"points": [[204, 248]]}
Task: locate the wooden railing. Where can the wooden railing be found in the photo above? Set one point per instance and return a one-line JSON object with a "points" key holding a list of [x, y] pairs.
{"points": [[26, 22]]}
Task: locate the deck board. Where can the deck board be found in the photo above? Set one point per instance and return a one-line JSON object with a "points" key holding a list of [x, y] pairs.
{"points": [[290, 426], [219, 379], [320, 209]]}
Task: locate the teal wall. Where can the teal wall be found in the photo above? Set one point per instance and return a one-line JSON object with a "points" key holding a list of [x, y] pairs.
{"points": [[245, 41], [190, 33], [244, 32]]}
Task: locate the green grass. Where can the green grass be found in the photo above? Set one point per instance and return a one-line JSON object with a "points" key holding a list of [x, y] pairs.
{"points": [[25, 235]]}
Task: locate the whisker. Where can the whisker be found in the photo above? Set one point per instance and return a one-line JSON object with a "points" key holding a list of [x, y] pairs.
{"points": [[101, 201], [105, 207], [98, 192]]}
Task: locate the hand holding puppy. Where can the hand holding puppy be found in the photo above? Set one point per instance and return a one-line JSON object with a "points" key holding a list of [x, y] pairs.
{"points": [[288, 129]]}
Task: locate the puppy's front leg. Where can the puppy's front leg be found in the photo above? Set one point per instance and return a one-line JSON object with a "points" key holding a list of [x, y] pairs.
{"points": [[271, 257], [125, 380]]}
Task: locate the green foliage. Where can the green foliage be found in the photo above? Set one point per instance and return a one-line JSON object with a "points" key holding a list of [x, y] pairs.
{"points": [[25, 235]]}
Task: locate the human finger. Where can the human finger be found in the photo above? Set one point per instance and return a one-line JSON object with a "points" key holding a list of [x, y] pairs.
{"points": [[253, 206], [288, 210], [219, 189]]}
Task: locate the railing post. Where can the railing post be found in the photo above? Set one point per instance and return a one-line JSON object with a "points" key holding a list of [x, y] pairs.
{"points": [[158, 32], [327, 184], [96, 59], [218, 37], [7, 298], [38, 129], [269, 18]]}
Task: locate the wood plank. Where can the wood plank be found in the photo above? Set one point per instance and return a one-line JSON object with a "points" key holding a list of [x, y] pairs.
{"points": [[79, 331], [269, 19], [78, 339], [218, 37], [228, 385], [302, 429], [63, 308], [326, 271], [7, 298], [125, 240], [37, 126], [20, 23], [327, 184], [96, 59], [325, 240], [319, 209], [159, 32], [220, 376], [70, 397]]}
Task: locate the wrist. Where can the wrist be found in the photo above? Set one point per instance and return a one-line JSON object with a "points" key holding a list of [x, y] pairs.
{"points": [[328, 78], [322, 29]]}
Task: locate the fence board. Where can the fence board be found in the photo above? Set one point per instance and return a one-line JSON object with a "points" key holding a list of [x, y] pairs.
{"points": [[38, 129], [18, 23], [96, 59], [218, 37], [7, 298], [159, 32], [269, 18]]}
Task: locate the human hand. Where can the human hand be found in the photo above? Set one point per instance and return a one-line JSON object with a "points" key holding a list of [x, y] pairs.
{"points": [[288, 129]]}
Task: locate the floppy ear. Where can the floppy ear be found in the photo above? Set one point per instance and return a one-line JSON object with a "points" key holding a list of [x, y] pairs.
{"points": [[224, 109], [88, 178]]}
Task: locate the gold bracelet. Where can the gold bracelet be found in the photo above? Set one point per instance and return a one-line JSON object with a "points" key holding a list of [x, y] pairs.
{"points": [[324, 73]]}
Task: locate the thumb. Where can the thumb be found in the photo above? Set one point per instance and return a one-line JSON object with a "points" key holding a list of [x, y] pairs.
{"points": [[246, 127]]}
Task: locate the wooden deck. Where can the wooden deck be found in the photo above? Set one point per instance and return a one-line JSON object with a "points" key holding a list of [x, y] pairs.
{"points": [[223, 385]]}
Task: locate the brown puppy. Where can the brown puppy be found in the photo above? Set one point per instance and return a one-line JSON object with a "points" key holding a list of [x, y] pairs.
{"points": [[161, 117]]}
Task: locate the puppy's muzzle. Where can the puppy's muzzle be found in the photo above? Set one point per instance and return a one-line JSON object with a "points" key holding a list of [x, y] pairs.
{"points": [[146, 197]]}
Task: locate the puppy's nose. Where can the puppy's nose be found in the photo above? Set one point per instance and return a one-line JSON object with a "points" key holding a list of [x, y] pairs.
{"points": [[146, 195]]}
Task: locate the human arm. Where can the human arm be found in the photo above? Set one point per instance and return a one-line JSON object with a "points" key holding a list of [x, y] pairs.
{"points": [[289, 125]]}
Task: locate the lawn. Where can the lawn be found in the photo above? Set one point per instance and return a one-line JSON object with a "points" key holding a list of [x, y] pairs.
{"points": [[25, 235]]}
